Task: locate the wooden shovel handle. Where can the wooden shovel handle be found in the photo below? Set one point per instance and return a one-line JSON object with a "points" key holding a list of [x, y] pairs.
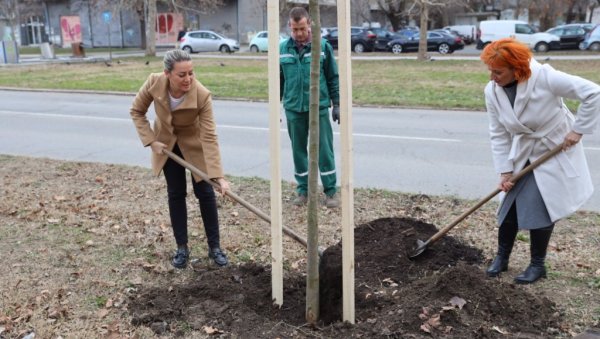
{"points": [[513, 179], [233, 196]]}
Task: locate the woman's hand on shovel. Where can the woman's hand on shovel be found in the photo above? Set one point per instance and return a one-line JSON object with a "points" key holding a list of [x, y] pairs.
{"points": [[157, 147], [223, 184], [505, 183]]}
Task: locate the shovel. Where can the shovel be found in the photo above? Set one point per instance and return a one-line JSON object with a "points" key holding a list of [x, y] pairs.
{"points": [[235, 197], [423, 245]]}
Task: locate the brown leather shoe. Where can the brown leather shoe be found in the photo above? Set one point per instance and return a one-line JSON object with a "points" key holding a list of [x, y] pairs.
{"points": [[331, 201], [300, 200]]}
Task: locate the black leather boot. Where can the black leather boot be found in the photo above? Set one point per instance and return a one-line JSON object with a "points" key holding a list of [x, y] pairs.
{"points": [[539, 245], [506, 239], [181, 256]]}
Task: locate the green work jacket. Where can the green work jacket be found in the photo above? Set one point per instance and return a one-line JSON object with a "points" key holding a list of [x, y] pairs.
{"points": [[294, 70]]}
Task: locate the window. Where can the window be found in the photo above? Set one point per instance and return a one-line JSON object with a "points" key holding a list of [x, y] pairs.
{"points": [[524, 29]]}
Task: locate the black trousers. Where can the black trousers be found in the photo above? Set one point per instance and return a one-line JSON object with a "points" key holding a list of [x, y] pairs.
{"points": [[177, 192]]}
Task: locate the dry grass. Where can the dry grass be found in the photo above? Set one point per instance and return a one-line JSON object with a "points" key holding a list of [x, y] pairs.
{"points": [[79, 240]]}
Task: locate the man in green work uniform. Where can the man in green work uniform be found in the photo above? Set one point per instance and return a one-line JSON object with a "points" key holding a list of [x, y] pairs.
{"points": [[295, 58]]}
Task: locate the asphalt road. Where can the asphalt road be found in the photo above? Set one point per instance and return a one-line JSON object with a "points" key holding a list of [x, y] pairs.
{"points": [[418, 151]]}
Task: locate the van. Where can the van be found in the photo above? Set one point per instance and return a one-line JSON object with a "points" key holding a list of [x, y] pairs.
{"points": [[467, 32], [492, 30]]}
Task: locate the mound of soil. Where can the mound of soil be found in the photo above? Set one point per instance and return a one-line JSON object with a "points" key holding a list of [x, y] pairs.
{"points": [[443, 293]]}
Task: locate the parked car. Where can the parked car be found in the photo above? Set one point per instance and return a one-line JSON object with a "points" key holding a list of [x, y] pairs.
{"points": [[381, 43], [592, 40], [361, 39], [208, 41], [571, 36], [467, 32], [325, 31], [436, 41], [492, 30], [260, 42]]}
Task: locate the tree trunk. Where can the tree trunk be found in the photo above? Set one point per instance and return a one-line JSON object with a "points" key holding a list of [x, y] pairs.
{"points": [[423, 32], [312, 276], [151, 28]]}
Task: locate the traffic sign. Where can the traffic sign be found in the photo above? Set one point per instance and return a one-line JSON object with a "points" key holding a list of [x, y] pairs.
{"points": [[107, 16]]}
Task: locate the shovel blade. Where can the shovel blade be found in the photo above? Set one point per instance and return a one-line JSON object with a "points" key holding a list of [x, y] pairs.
{"points": [[419, 249]]}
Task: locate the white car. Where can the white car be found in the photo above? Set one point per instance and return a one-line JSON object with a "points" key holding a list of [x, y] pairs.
{"points": [[260, 42], [208, 41]]}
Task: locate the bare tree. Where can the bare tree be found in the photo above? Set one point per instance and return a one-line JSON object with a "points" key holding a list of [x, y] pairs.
{"points": [[424, 7], [576, 10], [150, 28], [17, 12], [396, 11], [312, 275]]}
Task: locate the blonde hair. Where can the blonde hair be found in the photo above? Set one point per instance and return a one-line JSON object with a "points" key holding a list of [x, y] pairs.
{"points": [[174, 56]]}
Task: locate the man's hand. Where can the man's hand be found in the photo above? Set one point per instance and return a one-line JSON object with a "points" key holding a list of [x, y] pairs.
{"points": [[335, 114]]}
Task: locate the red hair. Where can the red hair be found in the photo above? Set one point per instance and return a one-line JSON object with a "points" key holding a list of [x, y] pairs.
{"points": [[509, 53]]}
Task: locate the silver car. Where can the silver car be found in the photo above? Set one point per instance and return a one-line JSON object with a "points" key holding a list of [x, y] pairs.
{"points": [[208, 41]]}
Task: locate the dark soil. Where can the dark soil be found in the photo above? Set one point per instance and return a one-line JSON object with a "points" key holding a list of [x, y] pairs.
{"points": [[443, 293]]}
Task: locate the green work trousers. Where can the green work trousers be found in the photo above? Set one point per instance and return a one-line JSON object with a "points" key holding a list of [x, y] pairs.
{"points": [[297, 124]]}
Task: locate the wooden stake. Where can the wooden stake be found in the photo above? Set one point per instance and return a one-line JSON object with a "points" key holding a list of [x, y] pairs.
{"points": [[347, 184], [275, 152]]}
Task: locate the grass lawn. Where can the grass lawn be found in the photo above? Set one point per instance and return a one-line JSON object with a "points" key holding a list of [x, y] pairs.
{"points": [[403, 83]]}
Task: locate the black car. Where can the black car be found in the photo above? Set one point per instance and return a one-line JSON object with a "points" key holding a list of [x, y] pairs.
{"points": [[436, 41], [383, 37], [362, 39], [571, 35]]}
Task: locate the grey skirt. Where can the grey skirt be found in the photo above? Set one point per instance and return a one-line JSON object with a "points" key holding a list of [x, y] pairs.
{"points": [[531, 209]]}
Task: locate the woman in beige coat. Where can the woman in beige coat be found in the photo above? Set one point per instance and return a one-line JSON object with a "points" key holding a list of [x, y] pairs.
{"points": [[184, 124], [528, 118]]}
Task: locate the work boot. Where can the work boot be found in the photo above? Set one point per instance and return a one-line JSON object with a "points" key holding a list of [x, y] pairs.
{"points": [[218, 256], [539, 246], [331, 201], [181, 256], [300, 200], [507, 232]]}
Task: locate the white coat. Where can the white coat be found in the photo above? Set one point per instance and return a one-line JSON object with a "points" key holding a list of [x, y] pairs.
{"points": [[539, 122]]}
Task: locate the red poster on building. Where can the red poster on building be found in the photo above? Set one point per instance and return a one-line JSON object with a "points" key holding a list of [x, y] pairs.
{"points": [[70, 28], [167, 27]]}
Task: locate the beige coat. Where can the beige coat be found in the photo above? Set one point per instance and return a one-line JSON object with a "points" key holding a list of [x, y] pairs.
{"points": [[190, 125]]}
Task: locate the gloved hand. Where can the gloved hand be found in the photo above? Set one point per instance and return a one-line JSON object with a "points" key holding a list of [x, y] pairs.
{"points": [[335, 114]]}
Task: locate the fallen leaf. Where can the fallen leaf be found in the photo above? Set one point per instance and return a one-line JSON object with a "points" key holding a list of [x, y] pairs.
{"points": [[137, 281], [426, 328], [435, 321], [390, 282], [458, 302], [102, 313], [582, 265], [499, 330], [211, 330]]}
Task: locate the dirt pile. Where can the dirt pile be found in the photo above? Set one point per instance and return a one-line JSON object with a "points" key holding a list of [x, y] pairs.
{"points": [[442, 293]]}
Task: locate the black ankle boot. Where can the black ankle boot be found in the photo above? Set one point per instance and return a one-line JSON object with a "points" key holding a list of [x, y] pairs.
{"points": [[539, 244], [181, 256], [500, 264], [531, 274]]}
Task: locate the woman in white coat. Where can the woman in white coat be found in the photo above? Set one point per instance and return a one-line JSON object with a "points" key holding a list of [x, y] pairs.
{"points": [[527, 118]]}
